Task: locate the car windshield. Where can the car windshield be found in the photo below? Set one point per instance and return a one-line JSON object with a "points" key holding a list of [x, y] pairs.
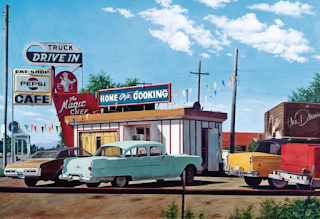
{"points": [[268, 147], [110, 151], [43, 154]]}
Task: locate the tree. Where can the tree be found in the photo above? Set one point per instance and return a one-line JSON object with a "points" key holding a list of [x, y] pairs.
{"points": [[104, 81], [61, 141], [309, 94]]}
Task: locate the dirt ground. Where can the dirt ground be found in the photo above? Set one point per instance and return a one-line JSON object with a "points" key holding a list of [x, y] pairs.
{"points": [[51, 205]]}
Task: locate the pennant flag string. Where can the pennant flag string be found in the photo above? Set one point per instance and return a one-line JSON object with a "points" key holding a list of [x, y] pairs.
{"points": [[215, 85], [223, 83], [208, 87]]}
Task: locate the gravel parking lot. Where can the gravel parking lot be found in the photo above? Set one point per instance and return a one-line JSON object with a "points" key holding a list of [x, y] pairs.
{"points": [[51, 205]]}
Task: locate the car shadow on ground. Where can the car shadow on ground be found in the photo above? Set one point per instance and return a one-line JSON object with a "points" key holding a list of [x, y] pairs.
{"points": [[267, 187]]}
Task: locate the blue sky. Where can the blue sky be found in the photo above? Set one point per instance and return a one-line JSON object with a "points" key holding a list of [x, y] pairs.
{"points": [[161, 41]]}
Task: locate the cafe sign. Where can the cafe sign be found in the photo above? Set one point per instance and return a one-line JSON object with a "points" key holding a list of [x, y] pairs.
{"points": [[138, 95]]}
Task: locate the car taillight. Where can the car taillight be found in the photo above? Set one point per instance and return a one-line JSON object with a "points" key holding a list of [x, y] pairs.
{"points": [[61, 167], [251, 158], [90, 168]]}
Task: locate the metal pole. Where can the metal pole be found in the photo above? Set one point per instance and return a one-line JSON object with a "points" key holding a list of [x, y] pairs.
{"points": [[199, 75], [6, 34], [13, 152], [187, 95], [233, 112], [184, 191]]}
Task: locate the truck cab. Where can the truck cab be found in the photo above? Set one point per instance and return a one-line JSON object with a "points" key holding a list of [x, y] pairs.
{"points": [[257, 165]]}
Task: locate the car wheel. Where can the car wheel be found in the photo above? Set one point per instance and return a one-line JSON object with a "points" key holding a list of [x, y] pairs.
{"points": [[302, 187], [120, 181], [90, 185], [189, 175], [30, 182], [277, 184], [253, 182]]}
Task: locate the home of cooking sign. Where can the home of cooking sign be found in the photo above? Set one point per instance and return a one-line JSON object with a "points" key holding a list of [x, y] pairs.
{"points": [[137, 95]]}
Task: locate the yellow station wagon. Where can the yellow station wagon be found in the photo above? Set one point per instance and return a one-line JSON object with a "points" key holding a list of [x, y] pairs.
{"points": [[257, 165]]}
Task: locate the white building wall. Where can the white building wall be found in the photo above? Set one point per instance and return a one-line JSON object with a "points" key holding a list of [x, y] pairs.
{"points": [[155, 132], [181, 123], [186, 136], [198, 138], [75, 136], [175, 137], [192, 137], [166, 135]]}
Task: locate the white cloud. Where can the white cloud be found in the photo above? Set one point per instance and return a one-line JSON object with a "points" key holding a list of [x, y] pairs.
{"points": [[229, 54], [1, 98], [295, 9], [205, 56], [26, 113], [242, 56], [42, 120], [316, 56], [124, 12], [248, 110], [164, 3], [180, 33], [216, 3], [288, 44]]}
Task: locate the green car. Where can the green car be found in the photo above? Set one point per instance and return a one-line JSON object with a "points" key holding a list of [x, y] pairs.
{"points": [[124, 161]]}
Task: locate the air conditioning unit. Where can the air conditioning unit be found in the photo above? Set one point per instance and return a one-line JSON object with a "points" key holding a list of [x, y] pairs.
{"points": [[138, 137]]}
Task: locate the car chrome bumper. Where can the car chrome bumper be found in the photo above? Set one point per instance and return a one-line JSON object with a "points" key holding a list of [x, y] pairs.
{"points": [[21, 173], [80, 178], [240, 173], [290, 177]]}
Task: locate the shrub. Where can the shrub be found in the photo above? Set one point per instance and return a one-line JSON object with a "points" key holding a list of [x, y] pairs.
{"points": [[189, 213], [1, 172], [242, 213], [171, 212]]}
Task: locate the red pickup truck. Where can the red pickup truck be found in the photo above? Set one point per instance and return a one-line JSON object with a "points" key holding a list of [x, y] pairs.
{"points": [[300, 163]]}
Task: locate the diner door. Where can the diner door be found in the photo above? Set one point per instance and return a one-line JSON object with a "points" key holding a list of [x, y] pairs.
{"points": [[204, 148], [91, 141]]}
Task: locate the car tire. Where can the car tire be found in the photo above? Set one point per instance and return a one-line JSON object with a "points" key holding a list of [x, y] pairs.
{"points": [[30, 182], [277, 184], [91, 185], [253, 182], [120, 181], [189, 175]]}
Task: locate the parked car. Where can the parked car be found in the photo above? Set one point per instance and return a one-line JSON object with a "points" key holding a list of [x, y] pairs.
{"points": [[124, 161], [43, 165], [257, 165]]}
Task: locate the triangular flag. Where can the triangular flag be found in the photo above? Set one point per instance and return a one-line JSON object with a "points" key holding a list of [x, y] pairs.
{"points": [[59, 124], [108, 108], [183, 93], [31, 127], [45, 127], [215, 93], [57, 127], [205, 97], [210, 95], [101, 110], [176, 93], [180, 105], [74, 122], [219, 90], [176, 106], [229, 84], [26, 127], [215, 85], [160, 105], [230, 79], [49, 128], [38, 127], [137, 91], [51, 125], [42, 128], [190, 90], [208, 87], [223, 83], [35, 128]]}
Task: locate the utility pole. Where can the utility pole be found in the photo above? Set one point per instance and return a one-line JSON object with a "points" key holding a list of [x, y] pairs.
{"points": [[199, 75], [234, 94], [6, 34]]}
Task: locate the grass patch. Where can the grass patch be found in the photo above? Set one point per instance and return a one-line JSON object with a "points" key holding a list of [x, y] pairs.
{"points": [[1, 172], [189, 213], [290, 208]]}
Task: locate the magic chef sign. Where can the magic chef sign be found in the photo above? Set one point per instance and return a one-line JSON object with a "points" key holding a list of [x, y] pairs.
{"points": [[137, 95]]}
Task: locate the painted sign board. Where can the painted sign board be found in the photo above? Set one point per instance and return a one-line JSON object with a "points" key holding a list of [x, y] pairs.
{"points": [[137, 95], [32, 71], [32, 83], [31, 99], [293, 119], [66, 82], [54, 54]]}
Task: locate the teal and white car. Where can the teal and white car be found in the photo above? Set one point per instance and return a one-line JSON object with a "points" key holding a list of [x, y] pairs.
{"points": [[124, 161]]}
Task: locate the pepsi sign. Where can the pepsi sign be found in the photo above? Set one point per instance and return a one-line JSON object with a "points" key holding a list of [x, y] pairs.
{"points": [[32, 83]]}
